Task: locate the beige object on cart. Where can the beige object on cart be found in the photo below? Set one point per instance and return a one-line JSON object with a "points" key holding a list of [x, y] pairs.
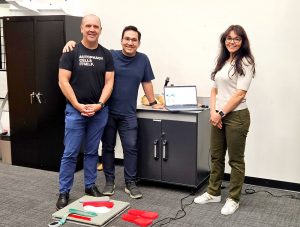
{"points": [[159, 99]]}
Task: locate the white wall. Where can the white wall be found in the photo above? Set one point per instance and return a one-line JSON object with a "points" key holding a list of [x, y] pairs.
{"points": [[181, 40]]}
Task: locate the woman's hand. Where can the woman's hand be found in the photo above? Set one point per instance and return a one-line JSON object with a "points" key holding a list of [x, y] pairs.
{"points": [[216, 120]]}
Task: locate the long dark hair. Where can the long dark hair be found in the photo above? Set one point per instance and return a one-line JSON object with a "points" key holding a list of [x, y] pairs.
{"points": [[243, 52]]}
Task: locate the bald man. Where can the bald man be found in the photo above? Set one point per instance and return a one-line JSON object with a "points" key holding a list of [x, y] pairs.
{"points": [[86, 77]]}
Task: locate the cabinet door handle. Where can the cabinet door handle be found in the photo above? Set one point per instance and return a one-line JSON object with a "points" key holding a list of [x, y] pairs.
{"points": [[32, 96], [164, 150], [155, 153], [39, 95]]}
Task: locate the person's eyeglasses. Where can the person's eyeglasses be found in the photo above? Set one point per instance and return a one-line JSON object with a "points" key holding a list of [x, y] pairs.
{"points": [[235, 40], [133, 40]]}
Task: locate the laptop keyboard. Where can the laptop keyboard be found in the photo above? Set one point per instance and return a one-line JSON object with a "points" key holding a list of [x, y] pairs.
{"points": [[185, 108]]}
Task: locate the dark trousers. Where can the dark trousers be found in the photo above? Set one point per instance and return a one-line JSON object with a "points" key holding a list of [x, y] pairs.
{"points": [[127, 128], [231, 137]]}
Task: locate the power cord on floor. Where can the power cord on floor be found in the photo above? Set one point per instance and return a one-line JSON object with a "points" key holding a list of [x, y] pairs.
{"points": [[250, 191], [180, 213]]}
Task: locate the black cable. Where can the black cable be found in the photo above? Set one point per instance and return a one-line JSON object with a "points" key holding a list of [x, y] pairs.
{"points": [[180, 213], [250, 191]]}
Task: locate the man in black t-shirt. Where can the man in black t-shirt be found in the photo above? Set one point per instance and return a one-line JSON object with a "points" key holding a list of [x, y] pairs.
{"points": [[86, 77]]}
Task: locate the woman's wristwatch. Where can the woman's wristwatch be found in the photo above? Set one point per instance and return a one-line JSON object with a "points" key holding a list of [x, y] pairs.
{"points": [[222, 114]]}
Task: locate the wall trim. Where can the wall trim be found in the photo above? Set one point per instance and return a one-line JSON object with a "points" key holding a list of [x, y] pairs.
{"points": [[250, 180], [268, 183]]}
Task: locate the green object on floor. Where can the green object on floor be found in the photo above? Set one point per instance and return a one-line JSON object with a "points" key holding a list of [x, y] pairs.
{"points": [[72, 211]]}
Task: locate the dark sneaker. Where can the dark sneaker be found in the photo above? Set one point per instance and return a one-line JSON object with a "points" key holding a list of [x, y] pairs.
{"points": [[133, 190], [62, 201], [109, 188], [93, 191]]}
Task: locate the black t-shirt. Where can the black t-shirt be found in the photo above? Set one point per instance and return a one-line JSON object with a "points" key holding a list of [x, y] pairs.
{"points": [[88, 69]]}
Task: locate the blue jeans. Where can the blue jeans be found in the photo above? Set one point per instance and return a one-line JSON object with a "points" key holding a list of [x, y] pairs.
{"points": [[127, 127], [81, 130]]}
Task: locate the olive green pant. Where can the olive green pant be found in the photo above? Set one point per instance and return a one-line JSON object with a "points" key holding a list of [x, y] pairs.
{"points": [[231, 137]]}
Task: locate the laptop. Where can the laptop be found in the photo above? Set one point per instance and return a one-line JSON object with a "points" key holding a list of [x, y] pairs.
{"points": [[181, 98]]}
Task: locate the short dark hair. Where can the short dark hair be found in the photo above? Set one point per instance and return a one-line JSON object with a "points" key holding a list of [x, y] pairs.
{"points": [[132, 28]]}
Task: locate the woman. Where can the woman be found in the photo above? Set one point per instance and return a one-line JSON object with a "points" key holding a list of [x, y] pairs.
{"points": [[229, 116]]}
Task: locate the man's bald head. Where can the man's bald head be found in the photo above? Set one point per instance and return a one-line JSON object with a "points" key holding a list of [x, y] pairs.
{"points": [[90, 16]]}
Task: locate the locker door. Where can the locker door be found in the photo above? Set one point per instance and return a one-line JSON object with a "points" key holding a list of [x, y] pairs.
{"points": [[149, 152], [49, 41], [179, 161], [19, 43]]}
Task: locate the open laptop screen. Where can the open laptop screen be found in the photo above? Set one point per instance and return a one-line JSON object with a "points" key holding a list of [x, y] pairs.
{"points": [[180, 95]]}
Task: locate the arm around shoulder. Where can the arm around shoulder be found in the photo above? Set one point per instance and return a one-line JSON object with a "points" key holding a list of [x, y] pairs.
{"points": [[69, 46]]}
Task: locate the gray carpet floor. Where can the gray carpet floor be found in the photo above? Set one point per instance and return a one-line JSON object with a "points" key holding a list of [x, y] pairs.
{"points": [[28, 197]]}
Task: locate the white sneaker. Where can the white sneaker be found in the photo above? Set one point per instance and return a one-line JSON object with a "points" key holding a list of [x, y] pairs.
{"points": [[207, 198], [230, 207]]}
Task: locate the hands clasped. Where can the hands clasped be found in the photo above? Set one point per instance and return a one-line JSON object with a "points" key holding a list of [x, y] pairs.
{"points": [[88, 110], [216, 120]]}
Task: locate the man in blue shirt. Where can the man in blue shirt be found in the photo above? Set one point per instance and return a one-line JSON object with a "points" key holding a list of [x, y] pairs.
{"points": [[132, 68]]}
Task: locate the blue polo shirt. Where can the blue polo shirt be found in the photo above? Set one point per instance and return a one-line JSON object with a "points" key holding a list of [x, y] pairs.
{"points": [[129, 73]]}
